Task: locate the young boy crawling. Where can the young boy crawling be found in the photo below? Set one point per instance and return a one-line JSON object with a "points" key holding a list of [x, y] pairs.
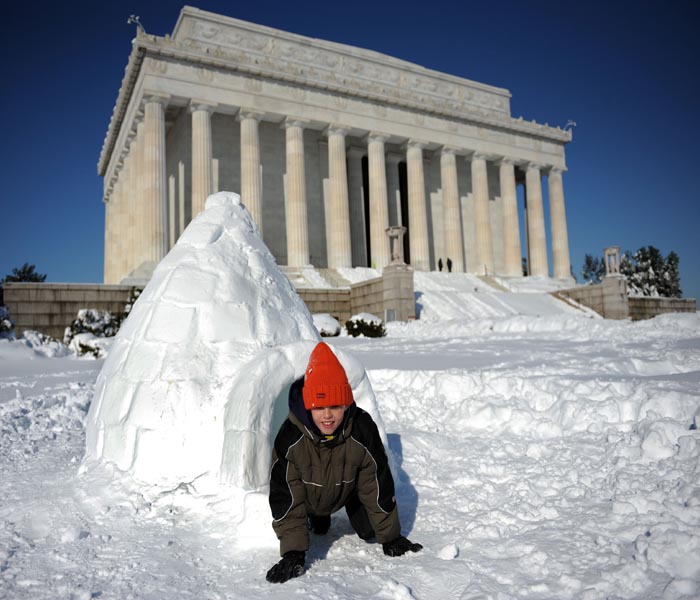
{"points": [[328, 455]]}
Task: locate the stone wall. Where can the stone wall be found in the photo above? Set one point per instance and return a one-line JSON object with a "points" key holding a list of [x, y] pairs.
{"points": [[646, 308], [333, 301], [610, 300], [389, 297], [51, 307]]}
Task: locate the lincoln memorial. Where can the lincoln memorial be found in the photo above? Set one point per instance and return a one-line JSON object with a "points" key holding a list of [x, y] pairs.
{"points": [[328, 145]]}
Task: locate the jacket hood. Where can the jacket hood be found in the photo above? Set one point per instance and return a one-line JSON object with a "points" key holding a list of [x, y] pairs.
{"points": [[302, 417]]}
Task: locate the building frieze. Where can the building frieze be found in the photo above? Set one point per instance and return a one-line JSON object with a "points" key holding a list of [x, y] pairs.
{"points": [[210, 42]]}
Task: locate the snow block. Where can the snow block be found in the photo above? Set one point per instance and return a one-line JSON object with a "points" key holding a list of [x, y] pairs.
{"points": [[196, 384]]}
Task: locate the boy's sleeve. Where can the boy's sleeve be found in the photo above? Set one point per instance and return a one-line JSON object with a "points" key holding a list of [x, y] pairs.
{"points": [[287, 497], [375, 487]]}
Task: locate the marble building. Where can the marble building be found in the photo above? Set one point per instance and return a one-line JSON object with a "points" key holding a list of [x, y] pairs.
{"points": [[329, 145]]}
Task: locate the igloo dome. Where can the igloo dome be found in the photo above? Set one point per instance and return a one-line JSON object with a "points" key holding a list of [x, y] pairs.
{"points": [[196, 383]]}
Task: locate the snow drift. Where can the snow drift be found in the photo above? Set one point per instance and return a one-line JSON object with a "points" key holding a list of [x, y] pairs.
{"points": [[196, 383]]}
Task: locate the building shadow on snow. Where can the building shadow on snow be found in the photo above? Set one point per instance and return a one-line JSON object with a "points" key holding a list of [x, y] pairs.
{"points": [[419, 306], [406, 494]]}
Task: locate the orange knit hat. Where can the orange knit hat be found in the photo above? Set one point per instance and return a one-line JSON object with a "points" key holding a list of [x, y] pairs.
{"points": [[325, 381]]}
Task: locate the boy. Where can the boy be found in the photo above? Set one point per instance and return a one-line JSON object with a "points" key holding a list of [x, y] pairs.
{"points": [[328, 455]]}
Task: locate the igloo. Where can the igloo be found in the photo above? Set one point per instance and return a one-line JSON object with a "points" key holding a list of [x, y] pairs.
{"points": [[195, 386]]}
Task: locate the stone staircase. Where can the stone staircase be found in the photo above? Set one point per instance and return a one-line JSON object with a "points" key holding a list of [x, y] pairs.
{"points": [[493, 283], [295, 276], [334, 278]]}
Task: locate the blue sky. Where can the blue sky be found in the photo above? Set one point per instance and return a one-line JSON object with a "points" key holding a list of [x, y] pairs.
{"points": [[626, 72]]}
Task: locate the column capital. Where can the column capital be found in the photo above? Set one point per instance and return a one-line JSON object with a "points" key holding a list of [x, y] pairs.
{"points": [[479, 156], [249, 113], [336, 129], [156, 98], [413, 143], [449, 150], [530, 165], [197, 105], [377, 136], [288, 122], [506, 160], [555, 170]]}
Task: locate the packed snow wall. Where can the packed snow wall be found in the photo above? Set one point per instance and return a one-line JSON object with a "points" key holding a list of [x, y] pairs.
{"points": [[196, 383]]}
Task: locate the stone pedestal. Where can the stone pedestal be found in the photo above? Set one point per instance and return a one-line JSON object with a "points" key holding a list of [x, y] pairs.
{"points": [[395, 235]]}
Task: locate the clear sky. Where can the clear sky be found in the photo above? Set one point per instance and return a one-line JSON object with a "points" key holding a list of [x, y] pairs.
{"points": [[625, 72]]}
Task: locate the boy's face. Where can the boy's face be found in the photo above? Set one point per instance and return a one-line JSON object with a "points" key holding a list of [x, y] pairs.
{"points": [[328, 418]]}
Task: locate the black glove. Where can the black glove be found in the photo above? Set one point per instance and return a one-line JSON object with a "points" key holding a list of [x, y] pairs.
{"points": [[400, 546], [291, 565]]}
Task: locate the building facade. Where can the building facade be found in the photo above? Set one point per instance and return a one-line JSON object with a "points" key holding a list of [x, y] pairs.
{"points": [[328, 145]]}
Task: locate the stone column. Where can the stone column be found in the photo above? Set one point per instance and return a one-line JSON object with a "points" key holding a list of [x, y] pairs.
{"points": [[155, 188], [378, 201], [108, 274], [140, 229], [181, 197], [132, 200], [338, 243], [557, 217], [482, 219], [451, 209], [417, 210], [251, 180], [356, 200], [295, 195], [512, 253], [202, 181], [118, 239], [172, 211], [536, 241], [393, 188]]}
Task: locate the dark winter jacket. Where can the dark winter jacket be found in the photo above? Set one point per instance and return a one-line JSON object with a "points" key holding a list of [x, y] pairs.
{"points": [[315, 475]]}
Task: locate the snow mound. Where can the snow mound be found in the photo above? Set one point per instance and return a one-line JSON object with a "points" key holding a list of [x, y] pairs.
{"points": [[195, 385]]}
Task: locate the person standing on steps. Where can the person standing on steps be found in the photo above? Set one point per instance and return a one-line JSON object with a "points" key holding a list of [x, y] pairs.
{"points": [[328, 455]]}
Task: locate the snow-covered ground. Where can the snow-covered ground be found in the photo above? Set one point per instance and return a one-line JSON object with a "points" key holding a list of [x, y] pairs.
{"points": [[550, 456]]}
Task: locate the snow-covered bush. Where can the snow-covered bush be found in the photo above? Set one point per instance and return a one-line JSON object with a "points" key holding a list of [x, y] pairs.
{"points": [[326, 324], [133, 297], [97, 323], [365, 324], [44, 344], [88, 331], [7, 327], [89, 344]]}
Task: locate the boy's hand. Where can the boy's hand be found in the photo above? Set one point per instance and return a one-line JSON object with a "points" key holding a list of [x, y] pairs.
{"points": [[400, 546], [291, 565]]}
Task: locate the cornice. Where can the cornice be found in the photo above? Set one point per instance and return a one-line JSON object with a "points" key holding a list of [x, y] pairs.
{"points": [[213, 41]]}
